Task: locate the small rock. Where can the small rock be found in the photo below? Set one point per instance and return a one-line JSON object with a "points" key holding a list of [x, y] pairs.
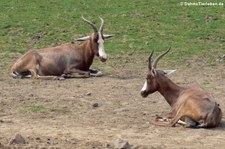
{"points": [[1, 146], [88, 94], [18, 139], [95, 105], [121, 144]]}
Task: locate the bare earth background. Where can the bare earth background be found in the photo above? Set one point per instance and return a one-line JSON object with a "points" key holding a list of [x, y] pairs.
{"points": [[94, 112]]}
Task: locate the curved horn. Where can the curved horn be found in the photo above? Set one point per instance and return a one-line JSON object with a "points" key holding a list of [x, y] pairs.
{"points": [[90, 23], [102, 24], [159, 57], [150, 60]]}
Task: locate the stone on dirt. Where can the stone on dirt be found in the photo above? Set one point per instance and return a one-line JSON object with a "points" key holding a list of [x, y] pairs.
{"points": [[121, 144], [95, 105], [88, 93], [18, 139], [1, 146]]}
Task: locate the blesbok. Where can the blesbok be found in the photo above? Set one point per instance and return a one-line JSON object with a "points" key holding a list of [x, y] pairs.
{"points": [[64, 61], [191, 106]]}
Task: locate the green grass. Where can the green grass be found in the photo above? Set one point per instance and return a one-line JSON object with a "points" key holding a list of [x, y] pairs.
{"points": [[2, 110], [138, 25], [41, 108]]}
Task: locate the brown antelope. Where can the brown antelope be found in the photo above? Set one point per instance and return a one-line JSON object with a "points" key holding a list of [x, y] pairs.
{"points": [[191, 106], [64, 61]]}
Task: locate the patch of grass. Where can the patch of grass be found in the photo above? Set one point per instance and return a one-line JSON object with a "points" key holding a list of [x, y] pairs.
{"points": [[205, 82], [40, 108], [222, 75], [2, 110], [62, 110], [36, 109], [138, 26]]}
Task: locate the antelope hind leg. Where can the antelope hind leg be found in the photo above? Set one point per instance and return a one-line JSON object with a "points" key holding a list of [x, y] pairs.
{"points": [[75, 73], [188, 122]]}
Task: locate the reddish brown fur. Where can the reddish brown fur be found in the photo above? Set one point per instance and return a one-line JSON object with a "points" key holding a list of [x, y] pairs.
{"points": [[192, 104], [67, 60], [63, 59]]}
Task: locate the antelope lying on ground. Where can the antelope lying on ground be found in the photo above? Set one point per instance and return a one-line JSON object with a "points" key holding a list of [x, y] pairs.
{"points": [[64, 61], [191, 106]]}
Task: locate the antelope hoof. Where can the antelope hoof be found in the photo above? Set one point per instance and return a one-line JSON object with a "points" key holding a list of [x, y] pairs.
{"points": [[62, 77], [16, 75], [97, 74]]}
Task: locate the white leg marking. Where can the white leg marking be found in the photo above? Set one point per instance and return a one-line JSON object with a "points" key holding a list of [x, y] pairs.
{"points": [[181, 122], [27, 76], [15, 74], [97, 74]]}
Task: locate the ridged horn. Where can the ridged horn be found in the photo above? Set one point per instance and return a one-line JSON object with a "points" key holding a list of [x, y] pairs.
{"points": [[159, 57], [90, 23], [150, 60], [102, 24]]}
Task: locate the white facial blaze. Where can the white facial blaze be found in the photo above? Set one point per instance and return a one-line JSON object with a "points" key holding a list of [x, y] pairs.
{"points": [[144, 87], [101, 50]]}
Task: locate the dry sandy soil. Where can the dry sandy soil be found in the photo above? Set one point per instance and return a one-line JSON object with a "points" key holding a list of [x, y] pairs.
{"points": [[94, 112]]}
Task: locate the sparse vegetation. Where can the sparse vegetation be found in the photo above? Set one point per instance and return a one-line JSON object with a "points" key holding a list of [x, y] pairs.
{"points": [[41, 108], [1, 110]]}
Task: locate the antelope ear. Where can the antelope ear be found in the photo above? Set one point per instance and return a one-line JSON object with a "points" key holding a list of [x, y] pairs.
{"points": [[83, 38], [167, 72], [107, 36]]}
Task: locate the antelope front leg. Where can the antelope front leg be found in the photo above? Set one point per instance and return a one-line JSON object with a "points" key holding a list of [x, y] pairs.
{"points": [[75, 73], [95, 73], [48, 77]]}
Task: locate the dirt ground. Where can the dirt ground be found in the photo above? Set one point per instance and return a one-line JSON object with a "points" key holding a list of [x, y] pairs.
{"points": [[94, 112]]}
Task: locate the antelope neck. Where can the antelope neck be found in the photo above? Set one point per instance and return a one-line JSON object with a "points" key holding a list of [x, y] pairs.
{"points": [[88, 50], [170, 91]]}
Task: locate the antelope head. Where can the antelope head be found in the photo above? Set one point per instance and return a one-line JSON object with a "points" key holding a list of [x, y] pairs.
{"points": [[154, 77], [97, 39]]}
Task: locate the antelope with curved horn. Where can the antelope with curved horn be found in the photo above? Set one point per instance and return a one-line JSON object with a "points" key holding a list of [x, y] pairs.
{"points": [[64, 61], [191, 106]]}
